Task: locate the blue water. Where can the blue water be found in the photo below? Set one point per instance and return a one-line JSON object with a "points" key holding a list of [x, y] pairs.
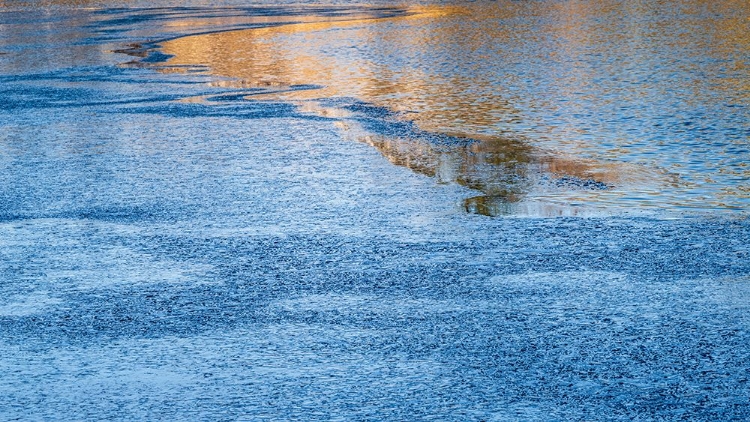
{"points": [[181, 239]]}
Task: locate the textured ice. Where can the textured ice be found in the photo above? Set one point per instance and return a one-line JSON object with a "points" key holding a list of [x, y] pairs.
{"points": [[234, 259]]}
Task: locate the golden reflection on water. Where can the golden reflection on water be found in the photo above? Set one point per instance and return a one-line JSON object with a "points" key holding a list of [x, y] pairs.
{"points": [[431, 66], [291, 54], [501, 168]]}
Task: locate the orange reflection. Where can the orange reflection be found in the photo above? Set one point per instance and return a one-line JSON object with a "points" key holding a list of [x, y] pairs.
{"points": [[501, 168], [408, 64]]}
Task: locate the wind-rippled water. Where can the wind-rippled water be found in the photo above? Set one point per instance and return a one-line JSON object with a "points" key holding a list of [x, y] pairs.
{"points": [[222, 211], [648, 99]]}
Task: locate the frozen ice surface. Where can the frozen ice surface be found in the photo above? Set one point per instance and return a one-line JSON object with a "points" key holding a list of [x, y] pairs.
{"points": [[512, 319], [247, 260]]}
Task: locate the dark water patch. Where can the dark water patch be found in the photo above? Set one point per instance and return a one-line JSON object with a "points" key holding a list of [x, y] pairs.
{"points": [[155, 57], [28, 97], [164, 69], [115, 74], [127, 214], [381, 121], [303, 87], [235, 97], [367, 109], [108, 214], [6, 217], [577, 182], [240, 96], [247, 110], [136, 50]]}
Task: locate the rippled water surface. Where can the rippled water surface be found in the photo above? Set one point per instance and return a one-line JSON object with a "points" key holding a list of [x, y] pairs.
{"points": [[471, 211], [541, 107], [646, 102]]}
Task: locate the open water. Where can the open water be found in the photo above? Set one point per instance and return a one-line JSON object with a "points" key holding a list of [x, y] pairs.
{"points": [[489, 210]]}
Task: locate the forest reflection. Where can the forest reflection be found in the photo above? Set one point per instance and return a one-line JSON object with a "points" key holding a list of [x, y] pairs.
{"points": [[512, 177]]}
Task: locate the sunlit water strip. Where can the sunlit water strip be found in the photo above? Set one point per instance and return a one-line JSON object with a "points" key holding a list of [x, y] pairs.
{"points": [[547, 108]]}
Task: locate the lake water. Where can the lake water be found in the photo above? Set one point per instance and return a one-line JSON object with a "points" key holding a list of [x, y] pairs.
{"points": [[608, 104], [543, 108], [488, 210]]}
